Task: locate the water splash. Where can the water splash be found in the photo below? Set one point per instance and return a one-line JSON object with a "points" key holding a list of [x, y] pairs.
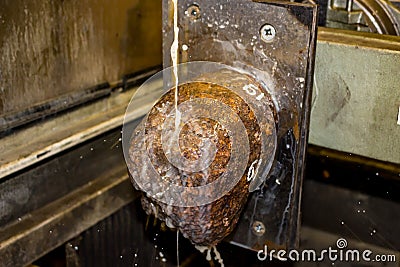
{"points": [[218, 256], [174, 58], [208, 250]]}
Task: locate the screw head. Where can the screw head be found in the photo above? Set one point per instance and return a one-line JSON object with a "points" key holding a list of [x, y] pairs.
{"points": [[258, 228], [193, 12], [267, 33]]}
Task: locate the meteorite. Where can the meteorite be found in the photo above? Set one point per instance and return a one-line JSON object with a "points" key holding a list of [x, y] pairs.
{"points": [[196, 157]]}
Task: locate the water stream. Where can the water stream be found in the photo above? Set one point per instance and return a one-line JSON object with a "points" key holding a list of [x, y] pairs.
{"points": [[175, 60]]}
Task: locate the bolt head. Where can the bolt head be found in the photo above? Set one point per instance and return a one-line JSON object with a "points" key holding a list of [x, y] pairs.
{"points": [[267, 33], [258, 228], [193, 12]]}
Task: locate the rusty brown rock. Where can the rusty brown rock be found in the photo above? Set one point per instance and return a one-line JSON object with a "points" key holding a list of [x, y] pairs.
{"points": [[210, 223]]}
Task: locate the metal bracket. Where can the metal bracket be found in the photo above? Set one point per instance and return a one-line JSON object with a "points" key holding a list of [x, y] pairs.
{"points": [[275, 41]]}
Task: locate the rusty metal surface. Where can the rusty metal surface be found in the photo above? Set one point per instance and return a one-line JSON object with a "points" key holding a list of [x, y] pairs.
{"points": [[229, 32], [49, 49]]}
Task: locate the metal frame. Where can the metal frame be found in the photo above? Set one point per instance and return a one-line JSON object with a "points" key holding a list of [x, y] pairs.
{"points": [[231, 32]]}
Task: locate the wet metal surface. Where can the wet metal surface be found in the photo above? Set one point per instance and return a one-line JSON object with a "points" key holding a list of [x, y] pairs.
{"points": [[229, 32], [49, 204], [150, 243]]}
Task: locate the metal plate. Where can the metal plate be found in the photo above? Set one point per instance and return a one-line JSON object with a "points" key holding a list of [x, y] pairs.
{"points": [[356, 98], [230, 32], [51, 203], [51, 52]]}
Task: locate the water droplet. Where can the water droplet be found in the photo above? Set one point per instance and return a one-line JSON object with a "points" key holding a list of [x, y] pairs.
{"points": [[185, 47], [161, 254], [76, 248], [377, 174], [50, 231], [91, 149], [120, 256], [342, 222], [225, 221], [164, 260], [135, 255], [363, 211], [81, 157], [120, 139], [19, 219]]}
